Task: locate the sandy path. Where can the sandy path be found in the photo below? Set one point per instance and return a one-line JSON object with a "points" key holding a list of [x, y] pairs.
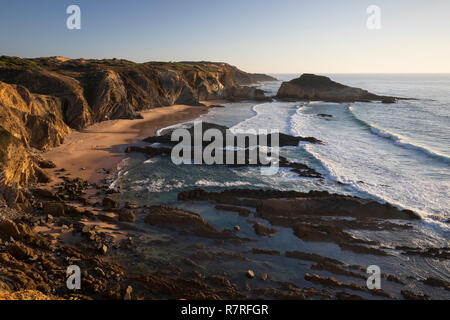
{"points": [[87, 153]]}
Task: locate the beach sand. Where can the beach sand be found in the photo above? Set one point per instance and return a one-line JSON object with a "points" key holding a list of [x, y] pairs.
{"points": [[94, 153]]}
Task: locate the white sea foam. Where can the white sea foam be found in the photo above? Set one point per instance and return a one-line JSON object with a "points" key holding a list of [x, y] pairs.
{"points": [[399, 139], [354, 157]]}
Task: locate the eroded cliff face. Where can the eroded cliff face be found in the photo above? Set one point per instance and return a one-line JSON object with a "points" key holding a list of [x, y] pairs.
{"points": [[41, 99], [74, 106], [95, 90], [27, 121]]}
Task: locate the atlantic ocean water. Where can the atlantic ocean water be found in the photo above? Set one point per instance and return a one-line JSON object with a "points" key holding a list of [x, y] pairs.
{"points": [[397, 153]]}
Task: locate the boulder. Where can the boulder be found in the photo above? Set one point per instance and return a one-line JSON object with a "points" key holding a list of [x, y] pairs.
{"points": [[109, 203], [55, 209], [127, 215], [262, 230]]}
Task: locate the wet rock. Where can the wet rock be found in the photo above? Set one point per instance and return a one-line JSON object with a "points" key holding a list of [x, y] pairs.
{"points": [[312, 257], [220, 281], [175, 218], [434, 282], [127, 215], [262, 139], [409, 295], [337, 270], [347, 296], [265, 251], [389, 100], [342, 206], [237, 228], [441, 253], [250, 274], [331, 282], [395, 279], [241, 211], [218, 256], [362, 249], [262, 230], [264, 276]]}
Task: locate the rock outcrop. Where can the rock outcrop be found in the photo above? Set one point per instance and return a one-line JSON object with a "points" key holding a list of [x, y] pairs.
{"points": [[26, 121], [319, 88]]}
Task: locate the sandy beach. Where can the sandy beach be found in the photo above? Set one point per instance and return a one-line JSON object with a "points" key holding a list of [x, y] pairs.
{"points": [[95, 152]]}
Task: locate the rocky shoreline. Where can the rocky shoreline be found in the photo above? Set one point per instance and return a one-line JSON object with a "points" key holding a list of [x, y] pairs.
{"points": [[69, 227], [72, 221], [52, 217]]}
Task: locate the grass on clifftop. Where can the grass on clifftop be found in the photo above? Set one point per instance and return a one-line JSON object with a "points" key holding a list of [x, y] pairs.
{"points": [[7, 61]]}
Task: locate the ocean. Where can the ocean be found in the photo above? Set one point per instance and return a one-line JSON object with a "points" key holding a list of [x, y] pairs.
{"points": [[397, 153]]}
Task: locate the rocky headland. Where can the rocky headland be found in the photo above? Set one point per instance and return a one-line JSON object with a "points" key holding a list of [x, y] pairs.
{"points": [[42, 99], [311, 87]]}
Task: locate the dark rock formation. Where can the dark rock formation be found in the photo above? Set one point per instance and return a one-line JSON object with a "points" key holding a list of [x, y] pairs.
{"points": [[319, 88], [308, 214], [190, 222], [284, 139], [127, 215], [341, 206]]}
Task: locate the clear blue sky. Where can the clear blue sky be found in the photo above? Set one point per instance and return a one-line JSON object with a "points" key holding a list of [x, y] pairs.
{"points": [[286, 36]]}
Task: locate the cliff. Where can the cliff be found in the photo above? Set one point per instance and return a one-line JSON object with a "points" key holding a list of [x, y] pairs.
{"points": [[319, 88], [95, 90], [41, 99]]}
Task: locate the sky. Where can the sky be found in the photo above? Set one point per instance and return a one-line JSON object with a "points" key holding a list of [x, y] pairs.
{"points": [[270, 36]]}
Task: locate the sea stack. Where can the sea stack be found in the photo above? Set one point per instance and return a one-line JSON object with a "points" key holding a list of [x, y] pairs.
{"points": [[312, 87]]}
